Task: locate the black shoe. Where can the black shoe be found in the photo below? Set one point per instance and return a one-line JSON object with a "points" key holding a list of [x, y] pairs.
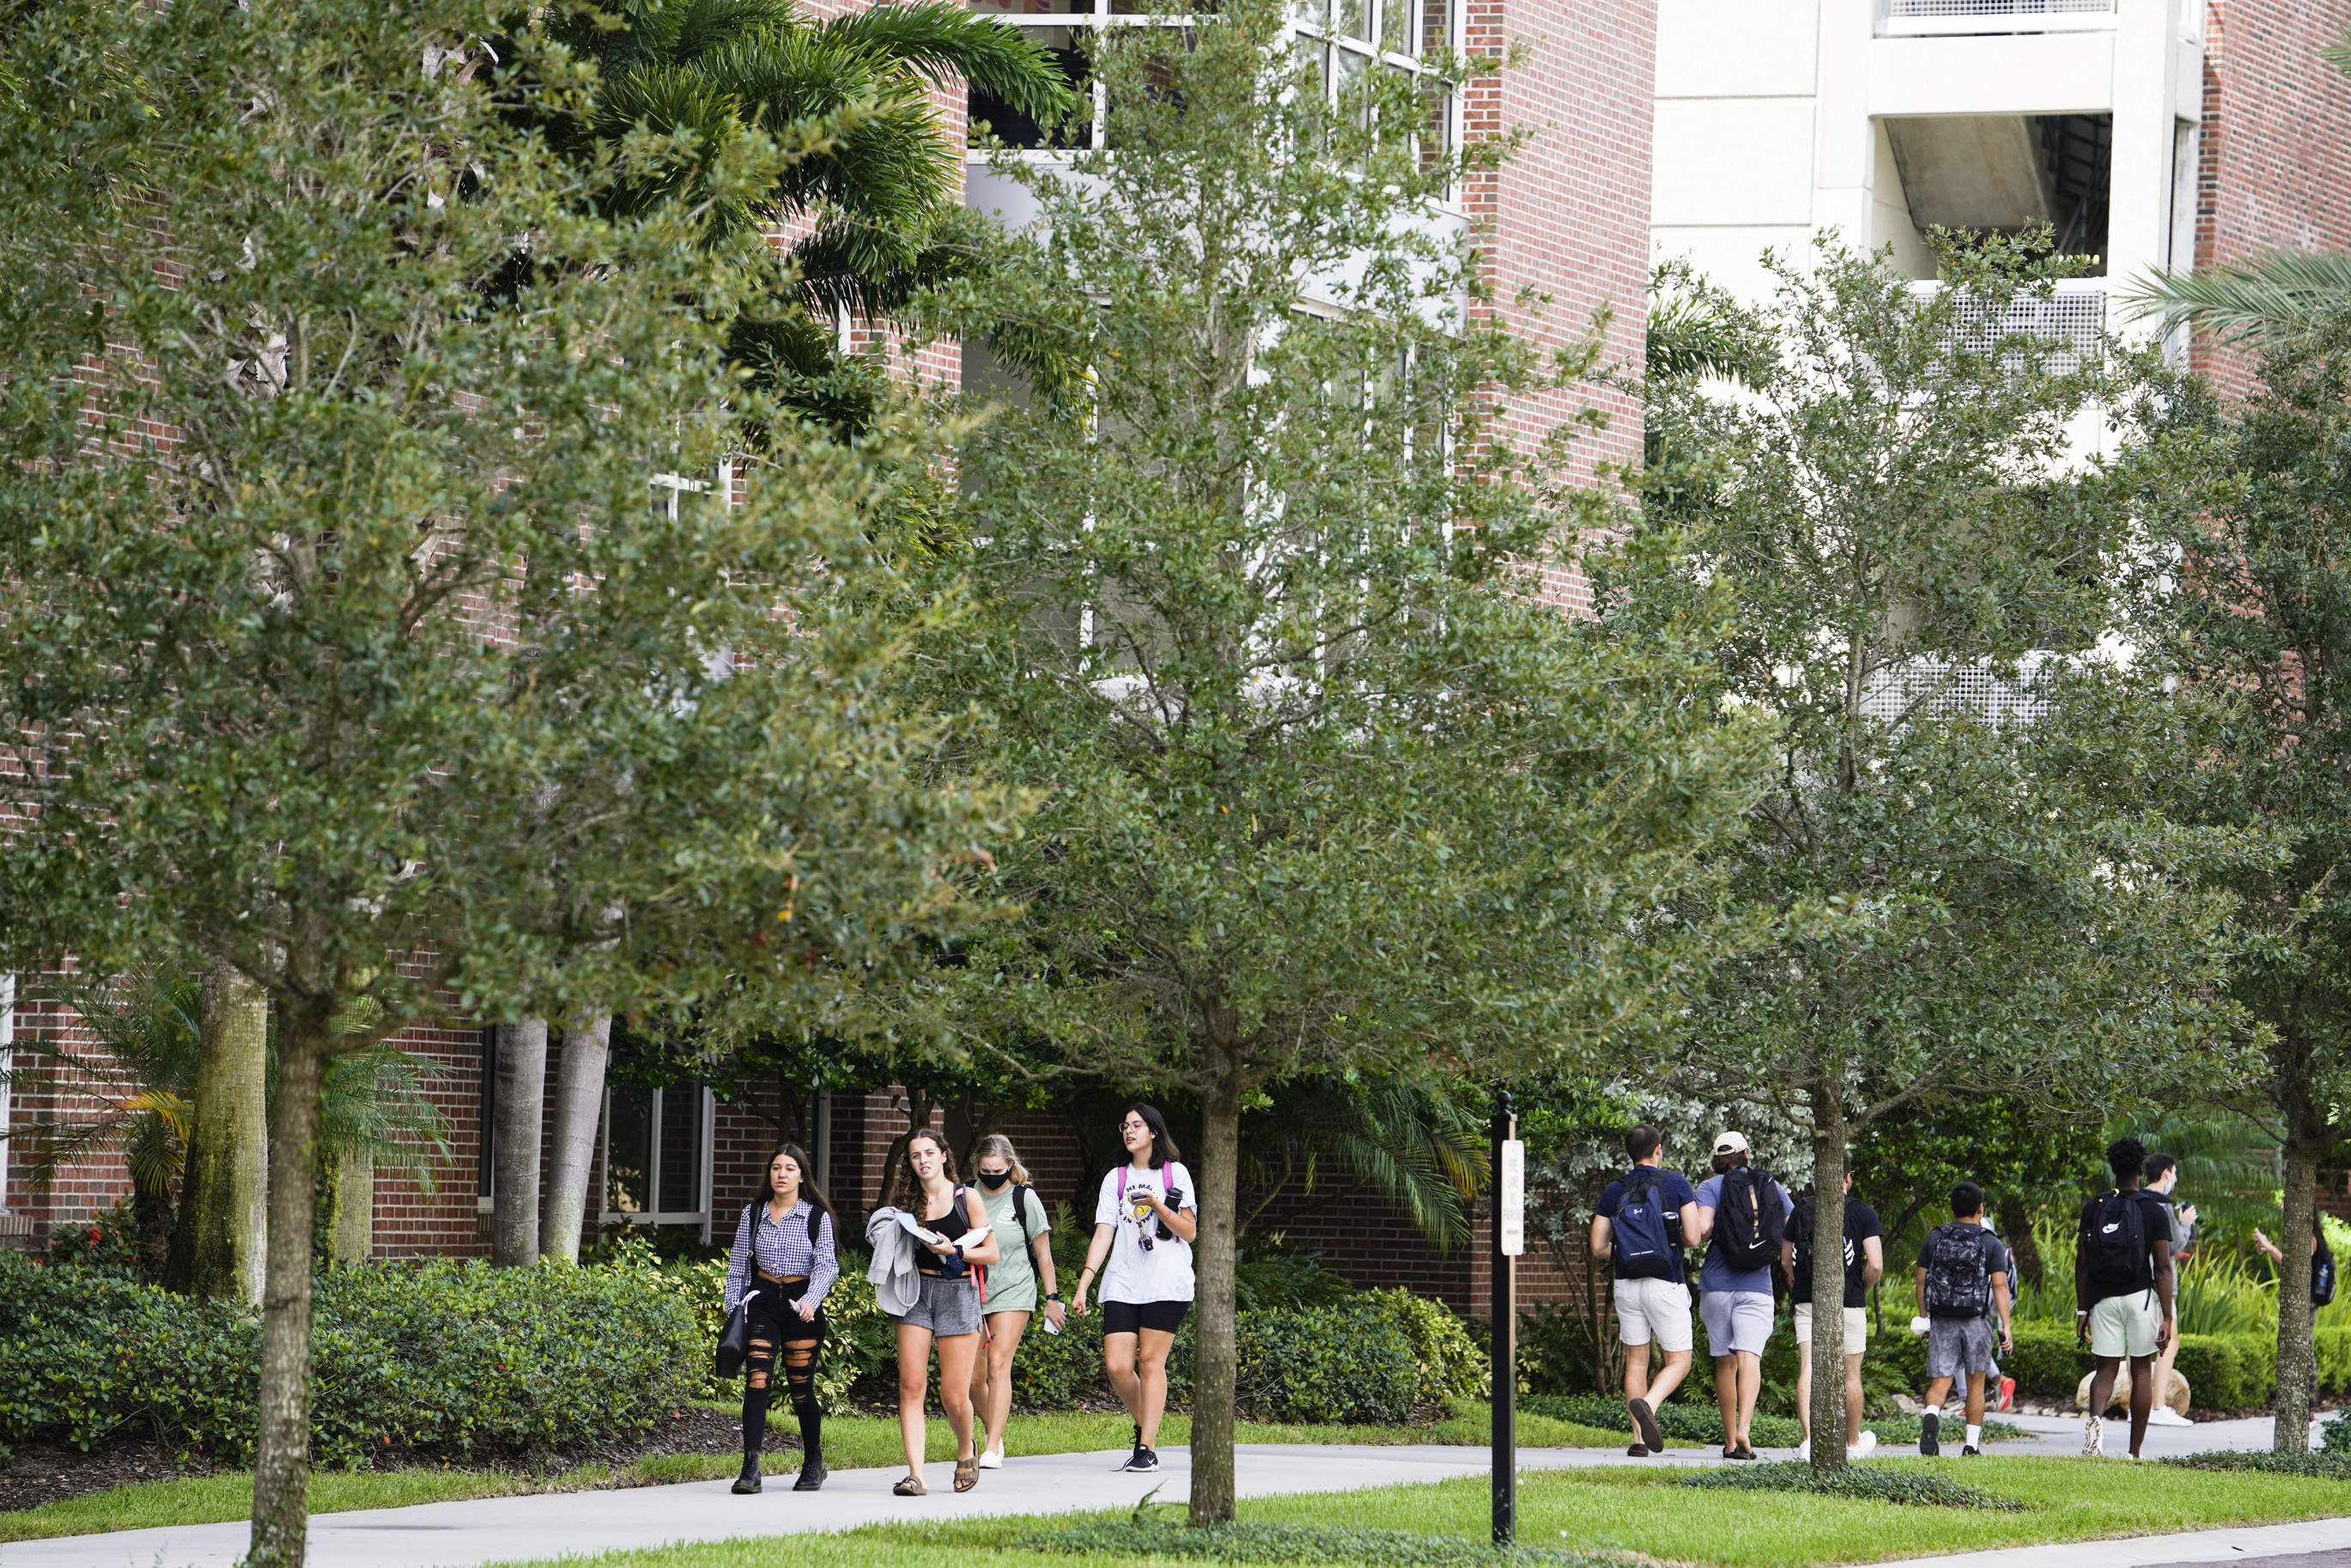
{"points": [[1644, 1425], [1928, 1426], [812, 1473], [1637, 1451], [748, 1482], [1144, 1461], [1970, 1451]]}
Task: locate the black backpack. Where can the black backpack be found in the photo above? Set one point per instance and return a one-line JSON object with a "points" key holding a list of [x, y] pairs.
{"points": [[2321, 1274], [1800, 1234], [1636, 1232], [1957, 1282], [2115, 1249], [1748, 1226]]}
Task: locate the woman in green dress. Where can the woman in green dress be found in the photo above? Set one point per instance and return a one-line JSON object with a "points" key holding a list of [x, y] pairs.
{"points": [[1024, 1272]]}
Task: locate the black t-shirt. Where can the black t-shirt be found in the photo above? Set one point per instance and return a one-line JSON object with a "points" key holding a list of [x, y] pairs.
{"points": [[1861, 1223]]}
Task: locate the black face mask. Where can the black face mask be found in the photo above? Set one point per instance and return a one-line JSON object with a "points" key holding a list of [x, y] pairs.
{"points": [[992, 1182]]}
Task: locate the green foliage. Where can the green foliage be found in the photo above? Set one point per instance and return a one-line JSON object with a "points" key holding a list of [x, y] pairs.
{"points": [[106, 1239], [1911, 1487], [1272, 1542], [1326, 1364], [2335, 1437], [2328, 1464], [137, 1082], [444, 1357]]}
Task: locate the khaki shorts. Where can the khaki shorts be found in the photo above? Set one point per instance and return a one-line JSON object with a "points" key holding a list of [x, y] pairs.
{"points": [[2124, 1325], [1656, 1310], [1856, 1328]]}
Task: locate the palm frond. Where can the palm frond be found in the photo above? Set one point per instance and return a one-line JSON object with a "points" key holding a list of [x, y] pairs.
{"points": [[2285, 294], [135, 1081], [943, 40], [374, 1105]]}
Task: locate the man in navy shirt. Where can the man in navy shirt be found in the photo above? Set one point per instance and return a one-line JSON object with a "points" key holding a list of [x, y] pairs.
{"points": [[1652, 1298]]}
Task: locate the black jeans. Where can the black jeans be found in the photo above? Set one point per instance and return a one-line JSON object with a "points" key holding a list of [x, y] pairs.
{"points": [[779, 1329]]}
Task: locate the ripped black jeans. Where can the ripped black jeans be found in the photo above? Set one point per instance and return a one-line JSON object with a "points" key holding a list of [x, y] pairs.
{"points": [[778, 1332]]}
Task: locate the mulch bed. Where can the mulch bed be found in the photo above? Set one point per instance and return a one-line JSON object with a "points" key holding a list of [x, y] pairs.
{"points": [[37, 1473]]}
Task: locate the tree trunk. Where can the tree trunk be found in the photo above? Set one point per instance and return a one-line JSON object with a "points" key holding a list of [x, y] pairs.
{"points": [[2295, 1368], [153, 1211], [353, 1239], [223, 1204], [1215, 1354], [281, 1468], [519, 1113], [571, 1156], [1828, 1274]]}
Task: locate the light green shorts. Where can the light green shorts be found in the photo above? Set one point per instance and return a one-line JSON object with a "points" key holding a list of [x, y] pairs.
{"points": [[2124, 1325]]}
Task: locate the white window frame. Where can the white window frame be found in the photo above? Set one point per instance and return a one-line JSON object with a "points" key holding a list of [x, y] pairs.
{"points": [[705, 1127], [7, 1090], [1313, 21]]}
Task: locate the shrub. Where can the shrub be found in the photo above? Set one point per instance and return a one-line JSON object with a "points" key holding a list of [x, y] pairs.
{"points": [[1910, 1487], [435, 1356], [1349, 1363], [858, 1335], [2335, 1437], [1555, 1350], [109, 1240], [1255, 1542], [2326, 1465], [2333, 1348], [1452, 1364]]}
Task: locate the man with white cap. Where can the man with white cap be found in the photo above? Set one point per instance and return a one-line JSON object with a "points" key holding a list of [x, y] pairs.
{"points": [[1742, 1217]]}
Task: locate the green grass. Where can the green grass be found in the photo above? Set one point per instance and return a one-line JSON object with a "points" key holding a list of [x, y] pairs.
{"points": [[1641, 1511], [851, 1442]]}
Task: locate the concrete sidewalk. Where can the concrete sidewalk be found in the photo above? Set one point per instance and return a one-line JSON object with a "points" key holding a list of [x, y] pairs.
{"points": [[2313, 1543], [524, 1529]]}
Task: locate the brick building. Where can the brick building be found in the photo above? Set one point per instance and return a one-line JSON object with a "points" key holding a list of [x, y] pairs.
{"points": [[1568, 218]]}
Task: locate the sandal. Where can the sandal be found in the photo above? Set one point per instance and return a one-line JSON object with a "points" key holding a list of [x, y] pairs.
{"points": [[912, 1486], [967, 1473]]}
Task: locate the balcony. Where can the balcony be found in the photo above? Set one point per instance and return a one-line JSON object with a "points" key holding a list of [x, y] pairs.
{"points": [[1949, 18], [2075, 315]]}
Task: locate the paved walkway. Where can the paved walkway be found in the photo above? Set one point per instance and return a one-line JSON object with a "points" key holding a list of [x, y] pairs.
{"points": [[523, 1529]]}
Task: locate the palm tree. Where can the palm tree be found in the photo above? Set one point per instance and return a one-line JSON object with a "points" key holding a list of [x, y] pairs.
{"points": [[873, 194], [2285, 294]]}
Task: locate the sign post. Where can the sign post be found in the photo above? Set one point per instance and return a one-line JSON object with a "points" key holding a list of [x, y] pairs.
{"points": [[1510, 1240]]}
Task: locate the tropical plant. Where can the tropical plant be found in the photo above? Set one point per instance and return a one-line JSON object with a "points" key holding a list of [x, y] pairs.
{"points": [[124, 1095], [1329, 1139], [871, 206], [2285, 294]]}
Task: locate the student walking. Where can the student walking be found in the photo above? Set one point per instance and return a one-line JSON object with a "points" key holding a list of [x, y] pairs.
{"points": [[1144, 1223], [1024, 1246], [1742, 1217], [2161, 1178], [783, 1262], [2122, 1292], [1963, 1289], [946, 1312], [1638, 1226], [1864, 1264]]}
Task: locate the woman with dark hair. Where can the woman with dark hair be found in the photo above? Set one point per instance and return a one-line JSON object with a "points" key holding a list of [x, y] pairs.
{"points": [[783, 1262], [1144, 1223], [946, 1217]]}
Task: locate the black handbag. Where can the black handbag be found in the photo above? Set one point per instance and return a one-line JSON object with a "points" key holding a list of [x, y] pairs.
{"points": [[734, 1340]]}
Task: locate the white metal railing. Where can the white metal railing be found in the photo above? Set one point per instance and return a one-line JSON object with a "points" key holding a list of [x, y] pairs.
{"points": [[1934, 18], [2074, 314]]}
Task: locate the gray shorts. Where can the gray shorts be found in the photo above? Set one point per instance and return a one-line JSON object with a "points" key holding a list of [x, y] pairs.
{"points": [[1957, 1346], [947, 1308], [1736, 1321]]}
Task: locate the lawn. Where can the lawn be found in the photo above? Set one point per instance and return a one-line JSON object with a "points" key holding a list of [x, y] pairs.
{"points": [[1639, 1511], [851, 1442]]}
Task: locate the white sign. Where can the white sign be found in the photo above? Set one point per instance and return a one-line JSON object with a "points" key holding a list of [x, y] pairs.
{"points": [[1513, 1204]]}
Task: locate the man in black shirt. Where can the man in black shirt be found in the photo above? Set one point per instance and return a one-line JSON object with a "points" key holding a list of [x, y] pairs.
{"points": [[1865, 1262]]}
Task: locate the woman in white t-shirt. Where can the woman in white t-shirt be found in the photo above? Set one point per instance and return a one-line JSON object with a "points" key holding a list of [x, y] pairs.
{"points": [[1144, 1223]]}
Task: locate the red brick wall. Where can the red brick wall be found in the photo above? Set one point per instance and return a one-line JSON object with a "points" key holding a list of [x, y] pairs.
{"points": [[1569, 215], [2275, 169]]}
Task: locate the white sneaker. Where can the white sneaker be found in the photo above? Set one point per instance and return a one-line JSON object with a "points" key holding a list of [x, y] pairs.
{"points": [[2164, 1416], [991, 1458], [2094, 1439], [1864, 1449], [1804, 1450]]}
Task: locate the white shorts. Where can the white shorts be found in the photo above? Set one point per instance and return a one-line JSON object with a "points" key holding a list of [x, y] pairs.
{"points": [[2124, 1325], [1856, 1329], [1654, 1309], [1736, 1321]]}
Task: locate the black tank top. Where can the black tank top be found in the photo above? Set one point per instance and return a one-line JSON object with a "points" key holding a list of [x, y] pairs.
{"points": [[929, 1262]]}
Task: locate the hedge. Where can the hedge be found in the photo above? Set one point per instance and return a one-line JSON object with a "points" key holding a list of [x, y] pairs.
{"points": [[437, 1355], [2224, 1372]]}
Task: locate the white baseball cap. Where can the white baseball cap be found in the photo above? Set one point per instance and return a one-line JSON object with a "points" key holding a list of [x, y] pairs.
{"points": [[1730, 1143]]}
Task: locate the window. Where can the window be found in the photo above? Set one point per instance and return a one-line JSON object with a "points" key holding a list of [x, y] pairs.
{"points": [[1341, 40], [656, 1157]]}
